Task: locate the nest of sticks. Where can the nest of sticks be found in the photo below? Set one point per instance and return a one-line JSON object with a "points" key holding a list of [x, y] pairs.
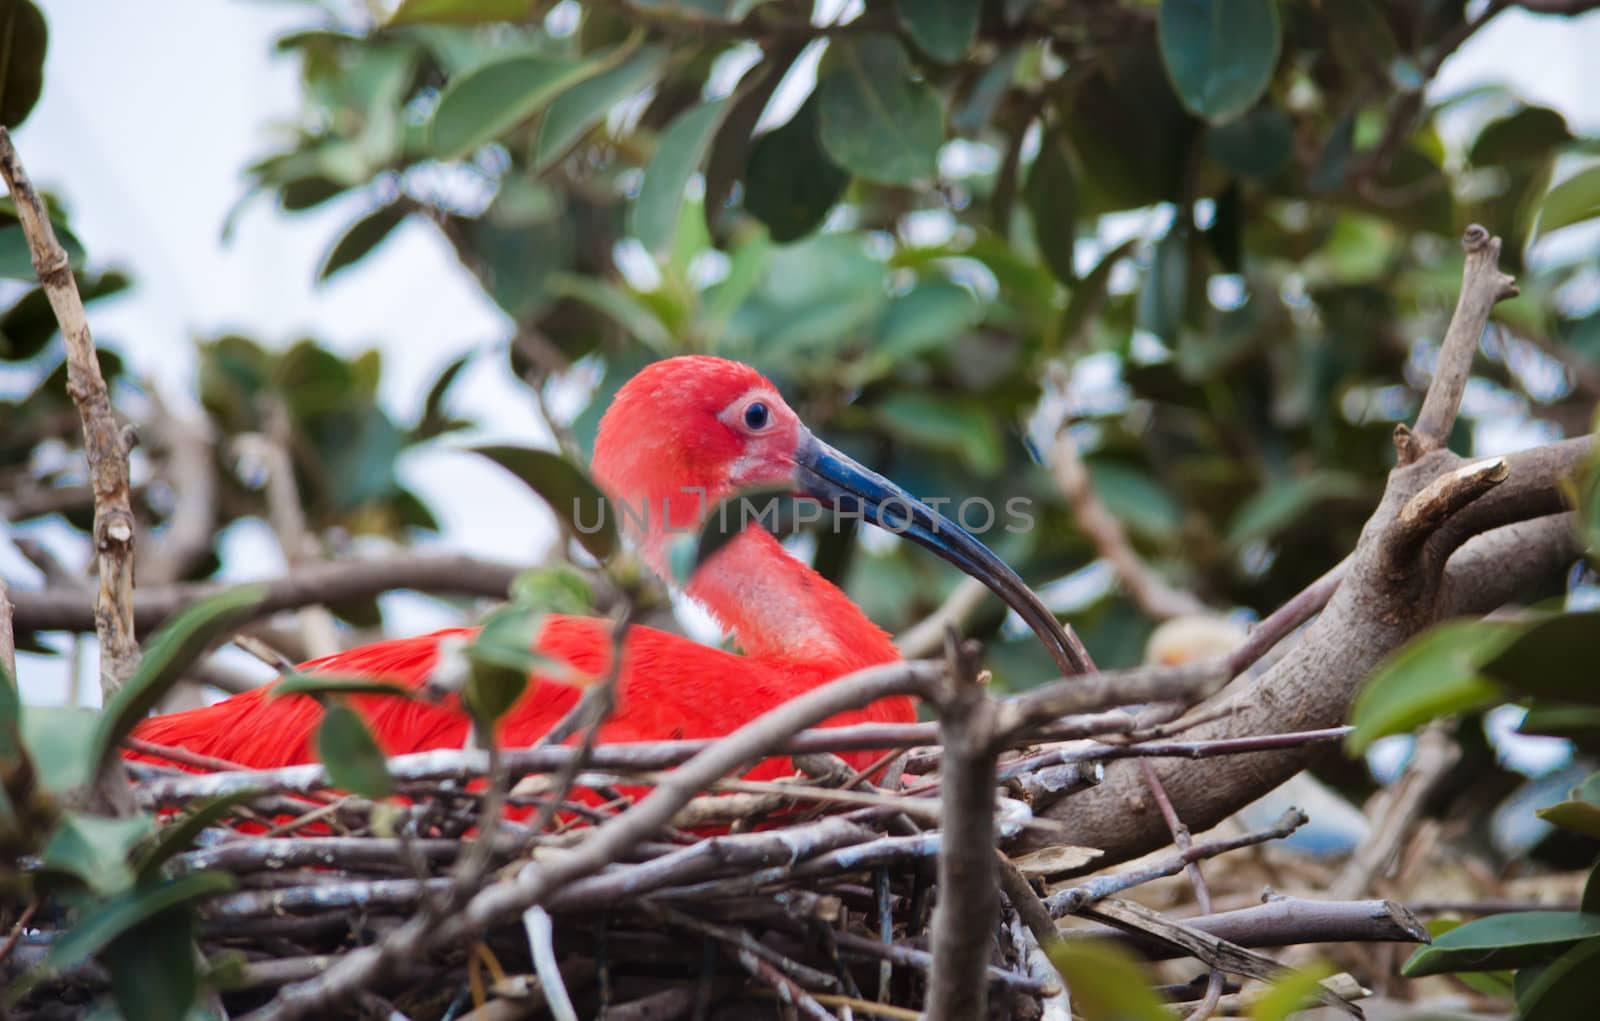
{"points": [[490, 889]]}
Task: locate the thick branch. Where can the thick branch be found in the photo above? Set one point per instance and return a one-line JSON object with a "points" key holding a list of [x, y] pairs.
{"points": [[59, 610], [1288, 921], [103, 441]]}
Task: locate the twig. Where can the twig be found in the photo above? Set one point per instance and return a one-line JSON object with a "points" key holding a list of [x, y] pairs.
{"points": [[910, 957], [926, 636], [1290, 921], [103, 441], [541, 943], [8, 638], [1482, 287], [1202, 892], [1148, 590], [18, 929]]}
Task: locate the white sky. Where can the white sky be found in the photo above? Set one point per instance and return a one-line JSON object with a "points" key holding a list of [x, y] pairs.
{"points": [[150, 113]]}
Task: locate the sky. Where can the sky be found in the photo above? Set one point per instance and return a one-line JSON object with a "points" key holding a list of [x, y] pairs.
{"points": [[150, 113]]}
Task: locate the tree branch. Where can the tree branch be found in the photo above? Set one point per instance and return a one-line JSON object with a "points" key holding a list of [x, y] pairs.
{"points": [[103, 440]]}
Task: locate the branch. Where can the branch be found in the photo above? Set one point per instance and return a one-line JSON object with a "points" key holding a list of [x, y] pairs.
{"points": [[103, 441], [1395, 811], [8, 638], [969, 900], [1289, 921], [1482, 287], [62, 610]]}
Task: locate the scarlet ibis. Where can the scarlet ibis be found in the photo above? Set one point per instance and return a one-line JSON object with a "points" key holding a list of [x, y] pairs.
{"points": [[680, 436]]}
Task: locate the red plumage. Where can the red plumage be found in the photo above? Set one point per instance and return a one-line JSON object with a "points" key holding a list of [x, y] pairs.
{"points": [[683, 422]]}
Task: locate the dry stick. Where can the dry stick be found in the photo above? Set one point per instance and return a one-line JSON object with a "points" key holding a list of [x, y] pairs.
{"points": [[969, 903], [926, 637], [8, 637], [606, 842], [1289, 921], [1396, 810], [1202, 892], [103, 440], [1148, 590], [911, 957]]}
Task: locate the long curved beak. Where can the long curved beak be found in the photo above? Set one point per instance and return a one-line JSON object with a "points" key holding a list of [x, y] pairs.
{"points": [[852, 488]]}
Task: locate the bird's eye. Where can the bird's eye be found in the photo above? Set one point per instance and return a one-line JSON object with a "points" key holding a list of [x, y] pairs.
{"points": [[756, 416]]}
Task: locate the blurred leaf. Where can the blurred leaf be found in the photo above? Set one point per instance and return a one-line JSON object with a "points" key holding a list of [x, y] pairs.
{"points": [[682, 147], [619, 303], [1560, 720], [927, 317], [1107, 982], [1572, 201], [873, 119], [23, 40], [790, 183], [1565, 989], [1135, 498], [1220, 53], [1282, 504], [16, 259], [960, 428], [154, 973], [733, 143], [1523, 137], [362, 237], [1577, 816], [502, 656], [166, 656], [96, 849], [435, 420], [461, 12], [1290, 993], [943, 29], [1334, 163], [64, 745], [569, 491], [1255, 146], [723, 523], [1052, 197], [559, 589], [1553, 658], [1591, 892], [350, 753], [1164, 295], [577, 110], [178, 835], [1435, 674], [106, 920], [1127, 164], [1513, 940], [1090, 294], [318, 684], [1226, 233], [486, 102]]}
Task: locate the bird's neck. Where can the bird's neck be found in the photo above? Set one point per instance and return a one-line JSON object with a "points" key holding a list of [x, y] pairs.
{"points": [[778, 607]]}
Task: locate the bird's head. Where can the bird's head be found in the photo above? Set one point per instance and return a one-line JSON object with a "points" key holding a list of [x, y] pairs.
{"points": [[688, 432]]}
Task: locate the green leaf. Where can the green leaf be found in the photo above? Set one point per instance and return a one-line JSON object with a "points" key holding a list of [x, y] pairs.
{"points": [[1107, 982], [166, 656], [1220, 54], [943, 29], [559, 589], [963, 428], [319, 684], [728, 519], [1282, 504], [569, 491], [1290, 993], [1552, 658], [1435, 674], [873, 119], [1527, 136], [16, 260], [619, 303], [1565, 989], [733, 142], [64, 745], [1090, 294], [178, 835], [1255, 146], [461, 12], [96, 849], [154, 973], [361, 238], [1591, 892], [1163, 297], [928, 317], [502, 656], [653, 217], [347, 748], [486, 102], [1135, 498], [1572, 201], [24, 38], [790, 184], [1513, 940], [1577, 816], [1560, 720], [1052, 197], [107, 920], [581, 107]]}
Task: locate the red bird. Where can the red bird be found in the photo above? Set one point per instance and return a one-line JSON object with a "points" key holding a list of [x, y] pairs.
{"points": [[680, 436]]}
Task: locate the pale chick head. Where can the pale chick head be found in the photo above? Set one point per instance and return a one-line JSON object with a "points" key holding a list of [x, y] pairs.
{"points": [[1192, 639]]}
